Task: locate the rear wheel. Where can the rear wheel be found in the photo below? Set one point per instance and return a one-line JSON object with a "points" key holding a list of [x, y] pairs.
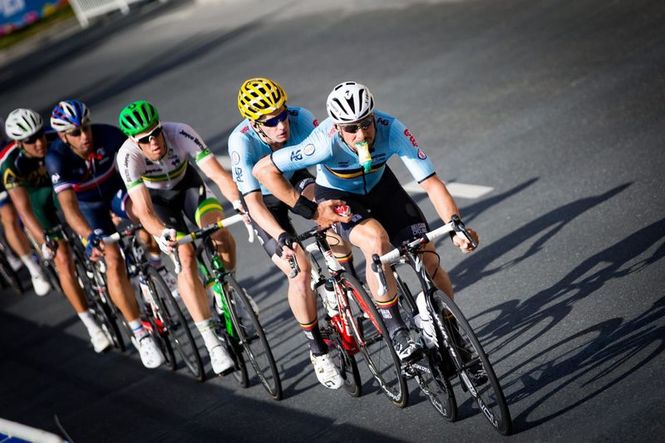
{"points": [[476, 374], [175, 326], [252, 338], [372, 339], [8, 276]]}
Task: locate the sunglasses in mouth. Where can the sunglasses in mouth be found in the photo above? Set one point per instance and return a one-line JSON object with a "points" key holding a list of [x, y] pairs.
{"points": [[153, 134], [77, 132], [272, 122], [34, 137], [363, 124]]}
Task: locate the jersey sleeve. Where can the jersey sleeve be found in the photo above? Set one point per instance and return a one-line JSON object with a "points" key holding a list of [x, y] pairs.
{"points": [[59, 176], [240, 153], [314, 149], [131, 167], [193, 143], [405, 145]]}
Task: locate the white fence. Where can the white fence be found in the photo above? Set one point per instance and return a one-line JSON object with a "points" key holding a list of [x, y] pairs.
{"points": [[88, 9]]}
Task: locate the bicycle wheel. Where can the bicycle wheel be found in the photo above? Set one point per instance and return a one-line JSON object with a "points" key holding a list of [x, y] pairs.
{"points": [[373, 340], [240, 374], [345, 362], [103, 313], [472, 365], [9, 276], [174, 325], [252, 338]]}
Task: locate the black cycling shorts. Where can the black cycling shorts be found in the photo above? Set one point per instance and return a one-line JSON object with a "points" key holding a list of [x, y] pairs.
{"points": [[387, 202], [280, 210], [190, 197]]}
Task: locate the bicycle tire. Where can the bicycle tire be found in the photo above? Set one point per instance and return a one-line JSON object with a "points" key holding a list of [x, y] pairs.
{"points": [[459, 337], [240, 374], [176, 329], [428, 371], [103, 313], [252, 338], [382, 360], [9, 276], [344, 361]]}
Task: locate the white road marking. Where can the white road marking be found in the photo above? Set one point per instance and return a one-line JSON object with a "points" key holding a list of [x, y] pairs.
{"points": [[461, 190]]}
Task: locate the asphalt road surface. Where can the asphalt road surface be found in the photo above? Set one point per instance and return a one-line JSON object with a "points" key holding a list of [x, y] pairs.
{"points": [[555, 108]]}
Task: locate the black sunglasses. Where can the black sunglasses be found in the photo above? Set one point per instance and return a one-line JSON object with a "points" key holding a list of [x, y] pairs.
{"points": [[34, 137], [153, 134], [353, 128], [77, 132], [272, 122]]}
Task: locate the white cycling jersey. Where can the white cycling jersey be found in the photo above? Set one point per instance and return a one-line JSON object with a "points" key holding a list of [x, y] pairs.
{"points": [[182, 143]]}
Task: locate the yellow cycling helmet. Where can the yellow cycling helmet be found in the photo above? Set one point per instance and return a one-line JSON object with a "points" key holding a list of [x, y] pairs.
{"points": [[260, 96]]}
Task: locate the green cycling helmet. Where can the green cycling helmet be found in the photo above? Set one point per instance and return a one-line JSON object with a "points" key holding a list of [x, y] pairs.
{"points": [[137, 117]]}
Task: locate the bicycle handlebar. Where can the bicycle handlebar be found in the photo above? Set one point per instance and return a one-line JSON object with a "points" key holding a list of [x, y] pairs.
{"points": [[455, 225], [201, 233]]}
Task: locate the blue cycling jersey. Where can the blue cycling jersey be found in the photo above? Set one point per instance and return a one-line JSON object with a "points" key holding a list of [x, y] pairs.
{"points": [[338, 165], [246, 148], [94, 178]]}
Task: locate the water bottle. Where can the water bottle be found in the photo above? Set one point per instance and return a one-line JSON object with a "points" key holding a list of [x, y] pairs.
{"points": [[329, 297], [425, 322]]}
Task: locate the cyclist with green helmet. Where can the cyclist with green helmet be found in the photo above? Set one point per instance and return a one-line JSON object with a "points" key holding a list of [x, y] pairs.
{"points": [[164, 189]]}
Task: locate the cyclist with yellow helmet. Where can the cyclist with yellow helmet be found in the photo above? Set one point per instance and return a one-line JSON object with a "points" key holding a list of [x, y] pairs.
{"points": [[270, 125], [164, 189]]}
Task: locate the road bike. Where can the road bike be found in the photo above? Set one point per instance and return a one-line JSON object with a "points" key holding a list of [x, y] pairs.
{"points": [[8, 276], [161, 311], [450, 347], [353, 325], [238, 325]]}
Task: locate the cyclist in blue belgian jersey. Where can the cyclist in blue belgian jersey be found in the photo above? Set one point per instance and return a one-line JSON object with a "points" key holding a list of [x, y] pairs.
{"points": [[269, 125], [351, 149], [82, 168]]}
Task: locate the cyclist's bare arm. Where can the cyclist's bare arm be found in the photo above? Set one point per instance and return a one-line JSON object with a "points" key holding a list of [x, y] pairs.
{"points": [[143, 209], [70, 207], [222, 178], [446, 207], [21, 200], [261, 215], [266, 172]]}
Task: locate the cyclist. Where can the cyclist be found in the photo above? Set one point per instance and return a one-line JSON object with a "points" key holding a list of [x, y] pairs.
{"points": [[25, 178], [268, 126], [351, 149], [15, 235], [164, 189], [88, 186]]}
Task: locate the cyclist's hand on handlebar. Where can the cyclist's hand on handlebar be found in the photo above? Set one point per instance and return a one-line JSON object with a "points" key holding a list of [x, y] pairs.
{"points": [[463, 243], [286, 243], [167, 241], [47, 252], [94, 247], [326, 214]]}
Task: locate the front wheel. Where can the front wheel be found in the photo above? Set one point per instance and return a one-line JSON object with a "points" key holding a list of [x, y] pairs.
{"points": [[252, 338], [472, 364], [175, 326], [372, 338]]}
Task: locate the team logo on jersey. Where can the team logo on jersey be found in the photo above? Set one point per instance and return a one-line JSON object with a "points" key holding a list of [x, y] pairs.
{"points": [[235, 158], [315, 123], [55, 178], [382, 121], [411, 138], [296, 156], [421, 154], [309, 150], [237, 172]]}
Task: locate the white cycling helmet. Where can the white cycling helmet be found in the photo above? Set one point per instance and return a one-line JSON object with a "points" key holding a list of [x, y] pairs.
{"points": [[22, 123], [349, 102]]}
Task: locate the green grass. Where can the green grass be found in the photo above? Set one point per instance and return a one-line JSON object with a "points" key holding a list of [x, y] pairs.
{"points": [[30, 31]]}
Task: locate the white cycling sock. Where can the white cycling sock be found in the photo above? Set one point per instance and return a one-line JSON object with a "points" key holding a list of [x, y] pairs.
{"points": [[32, 265], [137, 329], [89, 321], [207, 331]]}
